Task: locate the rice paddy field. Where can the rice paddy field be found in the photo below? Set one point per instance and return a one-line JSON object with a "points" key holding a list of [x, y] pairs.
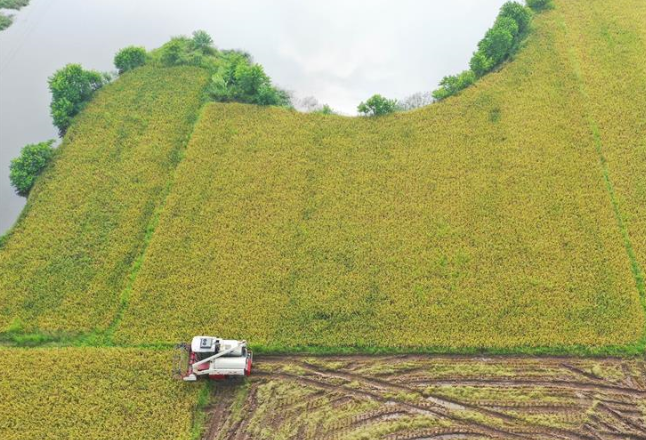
{"points": [[506, 221], [64, 265], [490, 221], [97, 393], [507, 218], [611, 68], [110, 393]]}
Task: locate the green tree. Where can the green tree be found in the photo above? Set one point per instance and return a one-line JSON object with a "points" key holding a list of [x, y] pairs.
{"points": [[183, 51], [5, 21], [508, 24], [517, 12], [13, 4], [540, 5], [203, 42], [24, 170], [129, 58], [238, 80], [325, 110], [71, 88], [377, 105], [175, 52], [249, 80], [501, 41], [497, 44], [480, 64], [451, 85]]}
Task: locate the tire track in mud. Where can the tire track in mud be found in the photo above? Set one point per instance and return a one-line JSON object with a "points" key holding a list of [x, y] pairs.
{"points": [[451, 408], [218, 414], [583, 386], [443, 412], [440, 400], [347, 425], [435, 434], [415, 408], [439, 397]]}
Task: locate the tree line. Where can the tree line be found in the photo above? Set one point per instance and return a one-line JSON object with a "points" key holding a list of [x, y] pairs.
{"points": [[236, 78]]}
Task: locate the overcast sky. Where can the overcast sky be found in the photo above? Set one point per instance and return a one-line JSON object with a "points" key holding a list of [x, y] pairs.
{"points": [[339, 51]]}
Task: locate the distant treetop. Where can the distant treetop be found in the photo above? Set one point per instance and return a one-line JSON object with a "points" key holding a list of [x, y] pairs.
{"points": [[377, 105]]}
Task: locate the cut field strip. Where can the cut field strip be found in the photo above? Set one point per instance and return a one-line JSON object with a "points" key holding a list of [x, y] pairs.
{"points": [[435, 397]]}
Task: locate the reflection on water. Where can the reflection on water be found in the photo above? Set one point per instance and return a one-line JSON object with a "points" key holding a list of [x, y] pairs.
{"points": [[339, 51]]}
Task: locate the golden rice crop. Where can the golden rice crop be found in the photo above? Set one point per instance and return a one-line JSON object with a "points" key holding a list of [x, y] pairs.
{"points": [[495, 219], [91, 393], [68, 258], [484, 221], [612, 64]]}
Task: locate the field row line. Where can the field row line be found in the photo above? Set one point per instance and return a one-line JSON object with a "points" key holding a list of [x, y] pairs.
{"points": [[636, 269]]}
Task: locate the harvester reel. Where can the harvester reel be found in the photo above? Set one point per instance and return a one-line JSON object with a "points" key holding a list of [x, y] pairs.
{"points": [[180, 360]]}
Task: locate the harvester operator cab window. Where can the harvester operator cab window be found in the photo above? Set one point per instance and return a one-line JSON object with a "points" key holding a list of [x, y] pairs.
{"points": [[205, 343]]}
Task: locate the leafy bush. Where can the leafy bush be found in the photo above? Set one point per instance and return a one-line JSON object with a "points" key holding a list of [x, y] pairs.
{"points": [[522, 15], [508, 24], [71, 88], [540, 5], [195, 51], [250, 81], [13, 4], [451, 85], [498, 44], [202, 42], [325, 110], [129, 58], [234, 76], [176, 52], [27, 167], [237, 80], [377, 105], [502, 39], [5, 21], [480, 64]]}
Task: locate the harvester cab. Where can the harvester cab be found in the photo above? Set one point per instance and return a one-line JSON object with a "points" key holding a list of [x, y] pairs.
{"points": [[213, 358]]}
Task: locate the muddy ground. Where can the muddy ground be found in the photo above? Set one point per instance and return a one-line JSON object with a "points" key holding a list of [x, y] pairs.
{"points": [[433, 397]]}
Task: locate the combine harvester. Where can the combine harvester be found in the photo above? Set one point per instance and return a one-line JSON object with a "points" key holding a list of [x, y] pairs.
{"points": [[213, 358]]}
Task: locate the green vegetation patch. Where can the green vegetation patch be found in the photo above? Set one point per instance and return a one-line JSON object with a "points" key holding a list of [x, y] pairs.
{"points": [[5, 21], [93, 393], [481, 222], [13, 4], [66, 261]]}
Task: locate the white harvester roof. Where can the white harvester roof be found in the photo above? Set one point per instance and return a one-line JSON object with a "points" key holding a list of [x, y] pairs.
{"points": [[207, 344]]}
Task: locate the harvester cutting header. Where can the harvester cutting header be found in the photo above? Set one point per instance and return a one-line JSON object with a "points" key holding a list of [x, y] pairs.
{"points": [[213, 358]]}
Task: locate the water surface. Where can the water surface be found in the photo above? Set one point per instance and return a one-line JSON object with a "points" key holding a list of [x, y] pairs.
{"points": [[339, 51]]}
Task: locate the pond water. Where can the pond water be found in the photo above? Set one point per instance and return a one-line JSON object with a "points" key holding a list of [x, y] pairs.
{"points": [[339, 51]]}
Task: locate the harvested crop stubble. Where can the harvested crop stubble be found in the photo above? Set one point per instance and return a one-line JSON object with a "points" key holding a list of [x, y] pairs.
{"points": [[433, 397], [484, 221], [92, 393], [67, 259]]}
